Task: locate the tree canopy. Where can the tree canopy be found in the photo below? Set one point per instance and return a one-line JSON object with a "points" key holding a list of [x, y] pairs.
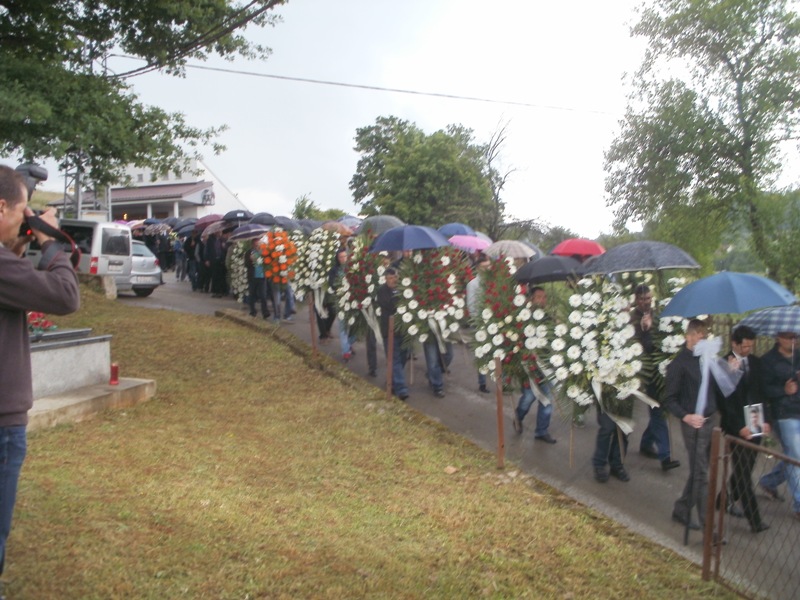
{"points": [[429, 179], [59, 101], [709, 139]]}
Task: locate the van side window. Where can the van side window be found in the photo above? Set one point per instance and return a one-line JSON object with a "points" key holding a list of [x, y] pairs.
{"points": [[81, 235], [116, 245]]}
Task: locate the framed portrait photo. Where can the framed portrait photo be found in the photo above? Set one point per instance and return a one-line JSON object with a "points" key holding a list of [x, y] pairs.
{"points": [[754, 417]]}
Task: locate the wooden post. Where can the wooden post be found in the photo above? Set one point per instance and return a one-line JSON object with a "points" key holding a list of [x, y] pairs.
{"points": [[390, 358], [312, 320], [501, 438]]}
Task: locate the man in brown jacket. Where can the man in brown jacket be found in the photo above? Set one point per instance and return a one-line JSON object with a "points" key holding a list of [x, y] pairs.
{"points": [[50, 288]]}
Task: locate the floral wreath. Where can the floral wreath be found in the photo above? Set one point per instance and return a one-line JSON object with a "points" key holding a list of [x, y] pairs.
{"points": [[238, 269], [278, 255], [319, 256], [508, 326], [38, 324], [432, 294], [595, 356], [358, 293]]}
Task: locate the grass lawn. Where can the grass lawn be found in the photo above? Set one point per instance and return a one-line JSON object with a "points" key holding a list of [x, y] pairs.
{"points": [[251, 475]]}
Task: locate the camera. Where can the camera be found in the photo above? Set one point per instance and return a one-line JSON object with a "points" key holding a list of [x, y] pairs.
{"points": [[26, 229], [32, 174]]}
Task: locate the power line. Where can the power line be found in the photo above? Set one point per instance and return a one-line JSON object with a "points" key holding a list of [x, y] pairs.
{"points": [[393, 90]]}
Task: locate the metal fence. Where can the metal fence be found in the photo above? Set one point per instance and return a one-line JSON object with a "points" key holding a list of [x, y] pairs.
{"points": [[756, 565]]}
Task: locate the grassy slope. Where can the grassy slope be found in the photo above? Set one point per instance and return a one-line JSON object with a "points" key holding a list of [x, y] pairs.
{"points": [[253, 476]]}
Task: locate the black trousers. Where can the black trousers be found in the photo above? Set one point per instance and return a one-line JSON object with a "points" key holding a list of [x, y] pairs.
{"points": [[741, 483]]}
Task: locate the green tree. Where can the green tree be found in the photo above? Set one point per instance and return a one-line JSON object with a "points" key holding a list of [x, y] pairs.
{"points": [[781, 217], [706, 143], [306, 208], [423, 179], [59, 101]]}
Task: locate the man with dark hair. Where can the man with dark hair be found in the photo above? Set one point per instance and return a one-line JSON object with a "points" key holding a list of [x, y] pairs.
{"points": [[684, 382], [52, 287], [780, 386], [655, 439], [732, 410]]}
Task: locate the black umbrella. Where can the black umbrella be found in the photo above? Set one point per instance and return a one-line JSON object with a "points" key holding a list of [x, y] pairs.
{"points": [[171, 221], [640, 256], [287, 223], [263, 218], [183, 223], [152, 221], [238, 216], [548, 268], [377, 224], [185, 230]]}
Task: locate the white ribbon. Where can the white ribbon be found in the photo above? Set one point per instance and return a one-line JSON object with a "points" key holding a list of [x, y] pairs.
{"points": [[372, 322], [437, 334], [707, 350], [319, 294]]}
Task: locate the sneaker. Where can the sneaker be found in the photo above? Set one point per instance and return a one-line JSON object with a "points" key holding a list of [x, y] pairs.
{"points": [[600, 474], [620, 473], [668, 464], [289, 319], [438, 393], [546, 438]]}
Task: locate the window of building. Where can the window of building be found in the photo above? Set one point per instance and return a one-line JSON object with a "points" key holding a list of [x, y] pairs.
{"points": [[140, 177]]}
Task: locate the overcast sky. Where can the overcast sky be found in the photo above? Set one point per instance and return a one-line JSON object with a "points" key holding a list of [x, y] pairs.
{"points": [[288, 138]]}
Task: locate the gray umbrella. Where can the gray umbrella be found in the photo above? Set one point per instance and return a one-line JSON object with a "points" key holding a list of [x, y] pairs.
{"points": [[375, 225], [287, 223], [640, 256]]}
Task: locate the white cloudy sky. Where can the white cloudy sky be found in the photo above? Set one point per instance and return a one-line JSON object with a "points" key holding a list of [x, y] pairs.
{"points": [[290, 138]]}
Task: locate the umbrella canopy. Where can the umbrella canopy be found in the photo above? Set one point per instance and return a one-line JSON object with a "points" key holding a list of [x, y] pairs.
{"points": [[548, 268], [640, 256], [727, 293], [409, 237], [483, 236], [136, 224], [214, 227], [337, 227], [152, 221], [237, 216], [184, 222], [509, 249], [185, 230], [171, 221], [249, 231], [469, 243], [537, 252], [310, 224], [451, 229], [377, 224], [287, 223], [157, 229], [351, 221], [578, 247], [204, 222], [772, 321], [263, 218]]}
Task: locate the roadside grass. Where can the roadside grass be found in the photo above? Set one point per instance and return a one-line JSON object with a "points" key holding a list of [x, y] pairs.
{"points": [[252, 475]]}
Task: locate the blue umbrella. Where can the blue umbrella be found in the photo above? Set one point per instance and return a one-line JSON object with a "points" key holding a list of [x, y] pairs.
{"points": [[409, 237], [727, 293], [772, 321], [450, 229]]}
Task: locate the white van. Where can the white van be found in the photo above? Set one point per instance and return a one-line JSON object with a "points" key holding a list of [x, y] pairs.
{"points": [[105, 249]]}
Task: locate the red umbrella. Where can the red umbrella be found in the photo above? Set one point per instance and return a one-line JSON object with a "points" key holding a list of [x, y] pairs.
{"points": [[578, 247], [204, 222]]}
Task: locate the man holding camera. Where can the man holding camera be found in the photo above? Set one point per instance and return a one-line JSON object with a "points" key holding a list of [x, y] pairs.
{"points": [[50, 288]]}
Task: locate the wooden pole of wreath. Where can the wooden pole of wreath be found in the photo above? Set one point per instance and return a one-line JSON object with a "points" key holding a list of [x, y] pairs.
{"points": [[501, 438], [389, 358], [311, 323]]}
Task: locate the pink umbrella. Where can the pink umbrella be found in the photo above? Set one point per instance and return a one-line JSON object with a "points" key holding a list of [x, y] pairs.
{"points": [[204, 222], [469, 243]]}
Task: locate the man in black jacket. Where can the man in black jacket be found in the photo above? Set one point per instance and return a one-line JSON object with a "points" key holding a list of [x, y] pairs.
{"points": [[51, 288], [387, 301], [735, 422]]}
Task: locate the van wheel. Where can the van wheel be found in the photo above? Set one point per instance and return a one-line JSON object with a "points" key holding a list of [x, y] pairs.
{"points": [[143, 292]]}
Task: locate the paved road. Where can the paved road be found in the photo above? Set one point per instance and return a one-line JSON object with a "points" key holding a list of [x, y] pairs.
{"points": [[644, 504]]}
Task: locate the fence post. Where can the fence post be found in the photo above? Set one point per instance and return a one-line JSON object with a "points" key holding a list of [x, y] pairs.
{"points": [[711, 504]]}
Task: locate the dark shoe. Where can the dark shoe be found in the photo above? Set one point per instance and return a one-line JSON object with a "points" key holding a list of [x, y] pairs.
{"points": [[759, 528], [372, 373], [648, 453], [620, 473], [403, 397], [517, 424], [716, 540], [438, 393], [679, 519], [600, 474], [668, 464], [771, 493], [735, 511], [547, 438], [484, 389]]}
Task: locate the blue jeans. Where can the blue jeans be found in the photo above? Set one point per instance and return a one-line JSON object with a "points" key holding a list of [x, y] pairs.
{"points": [[13, 445], [435, 366], [777, 476], [258, 292], [542, 415], [345, 341], [607, 449], [399, 360], [289, 296], [656, 434], [790, 437]]}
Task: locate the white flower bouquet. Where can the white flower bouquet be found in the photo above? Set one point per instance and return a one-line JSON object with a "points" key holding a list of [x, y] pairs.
{"points": [[358, 291], [313, 269]]}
